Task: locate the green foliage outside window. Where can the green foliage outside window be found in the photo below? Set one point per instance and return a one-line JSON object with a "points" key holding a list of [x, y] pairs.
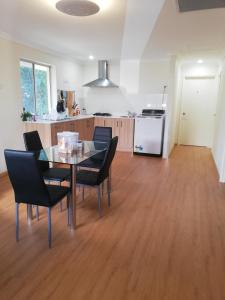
{"points": [[35, 99], [41, 92], [27, 85]]}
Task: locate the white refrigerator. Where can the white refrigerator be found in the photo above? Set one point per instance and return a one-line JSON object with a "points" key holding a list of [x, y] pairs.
{"points": [[149, 134]]}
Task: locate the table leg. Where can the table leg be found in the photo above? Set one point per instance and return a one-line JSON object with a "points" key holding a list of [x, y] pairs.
{"points": [[73, 197], [29, 213]]}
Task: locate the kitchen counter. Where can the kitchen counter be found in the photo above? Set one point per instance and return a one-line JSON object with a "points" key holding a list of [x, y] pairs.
{"points": [[115, 117], [81, 117], [122, 126]]}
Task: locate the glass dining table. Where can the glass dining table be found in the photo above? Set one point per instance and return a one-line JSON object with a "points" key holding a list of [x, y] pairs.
{"points": [[86, 150]]}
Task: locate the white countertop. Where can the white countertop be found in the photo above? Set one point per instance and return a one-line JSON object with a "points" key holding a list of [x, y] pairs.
{"points": [[80, 117], [115, 117]]}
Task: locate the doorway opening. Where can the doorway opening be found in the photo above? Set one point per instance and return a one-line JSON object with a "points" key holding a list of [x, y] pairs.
{"points": [[197, 104]]}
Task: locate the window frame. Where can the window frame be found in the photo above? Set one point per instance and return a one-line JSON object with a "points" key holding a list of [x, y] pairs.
{"points": [[34, 81]]}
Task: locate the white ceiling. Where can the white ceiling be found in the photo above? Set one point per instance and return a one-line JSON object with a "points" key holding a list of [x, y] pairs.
{"points": [[38, 23], [139, 24], [130, 29], [186, 33]]}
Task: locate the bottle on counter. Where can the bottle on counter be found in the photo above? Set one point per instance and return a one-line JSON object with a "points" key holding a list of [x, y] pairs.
{"points": [[76, 110], [84, 111]]}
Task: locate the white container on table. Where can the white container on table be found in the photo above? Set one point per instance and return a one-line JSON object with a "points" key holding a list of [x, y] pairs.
{"points": [[67, 141]]}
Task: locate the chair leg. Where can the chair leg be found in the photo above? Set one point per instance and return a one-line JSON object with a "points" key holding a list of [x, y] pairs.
{"points": [[108, 191], [82, 193], [110, 179], [99, 200], [60, 203], [17, 222], [68, 209], [29, 213], [49, 228], [60, 206], [103, 185], [37, 212]]}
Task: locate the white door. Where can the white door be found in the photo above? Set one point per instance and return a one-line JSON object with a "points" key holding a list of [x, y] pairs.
{"points": [[198, 109]]}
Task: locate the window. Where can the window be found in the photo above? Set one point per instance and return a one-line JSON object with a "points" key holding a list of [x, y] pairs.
{"points": [[35, 85]]}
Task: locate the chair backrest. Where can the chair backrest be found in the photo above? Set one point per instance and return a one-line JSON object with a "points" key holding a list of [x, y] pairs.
{"points": [[26, 178], [102, 134], [110, 153], [32, 142]]}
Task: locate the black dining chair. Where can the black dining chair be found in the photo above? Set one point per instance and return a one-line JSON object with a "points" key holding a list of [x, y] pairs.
{"points": [[101, 134], [96, 178], [33, 142], [29, 186]]}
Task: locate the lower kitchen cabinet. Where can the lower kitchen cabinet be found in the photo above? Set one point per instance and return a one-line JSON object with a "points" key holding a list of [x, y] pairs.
{"points": [[48, 132], [55, 128], [99, 121], [85, 128], [126, 134], [44, 130], [111, 122], [80, 126], [59, 127], [89, 129], [121, 127]]}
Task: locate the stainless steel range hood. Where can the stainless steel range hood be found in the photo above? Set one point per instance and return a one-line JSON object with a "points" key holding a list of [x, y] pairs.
{"points": [[103, 77]]}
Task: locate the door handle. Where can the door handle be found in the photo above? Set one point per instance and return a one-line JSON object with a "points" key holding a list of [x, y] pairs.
{"points": [[184, 114]]}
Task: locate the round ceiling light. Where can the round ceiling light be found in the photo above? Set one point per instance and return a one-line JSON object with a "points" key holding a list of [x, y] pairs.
{"points": [[79, 8]]}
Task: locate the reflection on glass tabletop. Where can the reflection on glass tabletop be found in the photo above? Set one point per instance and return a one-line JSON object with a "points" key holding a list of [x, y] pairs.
{"points": [[88, 149]]}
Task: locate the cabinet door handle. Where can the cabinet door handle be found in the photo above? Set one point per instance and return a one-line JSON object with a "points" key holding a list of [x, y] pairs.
{"points": [[121, 124], [104, 123], [117, 123]]}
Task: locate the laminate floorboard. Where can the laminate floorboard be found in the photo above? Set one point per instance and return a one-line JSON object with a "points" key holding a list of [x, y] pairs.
{"points": [[162, 239]]}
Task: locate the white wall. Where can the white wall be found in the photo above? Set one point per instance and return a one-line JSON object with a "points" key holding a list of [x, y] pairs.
{"points": [[219, 140], [140, 85], [175, 111], [170, 125], [65, 75]]}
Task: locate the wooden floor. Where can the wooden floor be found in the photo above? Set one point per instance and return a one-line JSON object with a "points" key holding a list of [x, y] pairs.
{"points": [[162, 239]]}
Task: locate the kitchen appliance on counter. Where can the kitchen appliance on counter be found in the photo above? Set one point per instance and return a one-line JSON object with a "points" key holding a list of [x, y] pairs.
{"points": [[149, 132], [98, 114]]}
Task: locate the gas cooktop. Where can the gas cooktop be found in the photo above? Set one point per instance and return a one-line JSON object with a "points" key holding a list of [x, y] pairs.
{"points": [[153, 112], [102, 114]]}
